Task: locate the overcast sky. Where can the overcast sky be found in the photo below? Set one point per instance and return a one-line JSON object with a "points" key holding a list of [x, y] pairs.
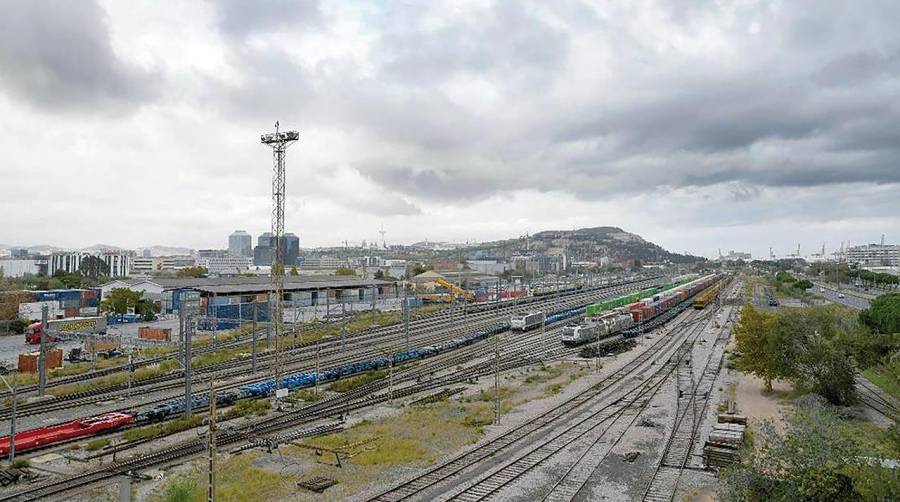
{"points": [[696, 124]]}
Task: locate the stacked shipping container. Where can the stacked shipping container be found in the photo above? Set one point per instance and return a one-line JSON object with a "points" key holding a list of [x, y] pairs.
{"points": [[28, 362]]}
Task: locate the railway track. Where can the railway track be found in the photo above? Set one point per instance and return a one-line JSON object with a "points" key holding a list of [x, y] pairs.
{"points": [[392, 332], [693, 403], [589, 427], [420, 335], [533, 428], [871, 397], [528, 347]]}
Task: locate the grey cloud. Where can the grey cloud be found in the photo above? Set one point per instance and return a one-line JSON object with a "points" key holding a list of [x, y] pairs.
{"points": [[507, 43], [57, 56], [239, 18]]}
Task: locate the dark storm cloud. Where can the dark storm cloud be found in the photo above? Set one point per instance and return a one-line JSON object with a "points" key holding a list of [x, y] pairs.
{"points": [[239, 18], [57, 56]]}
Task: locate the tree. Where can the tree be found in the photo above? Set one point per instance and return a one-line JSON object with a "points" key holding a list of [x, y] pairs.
{"points": [[379, 274], [146, 309], [419, 268], [344, 271], [809, 349], [93, 266], [67, 280], [294, 271], [120, 299], [754, 338], [193, 272], [803, 284], [808, 461], [883, 314]]}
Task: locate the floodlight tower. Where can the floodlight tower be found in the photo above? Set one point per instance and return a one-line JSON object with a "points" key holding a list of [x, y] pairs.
{"points": [[279, 141]]}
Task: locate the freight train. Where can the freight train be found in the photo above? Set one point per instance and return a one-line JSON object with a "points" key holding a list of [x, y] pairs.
{"points": [[608, 319], [525, 321], [87, 427]]}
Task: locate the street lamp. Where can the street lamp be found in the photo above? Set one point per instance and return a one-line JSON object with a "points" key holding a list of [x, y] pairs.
{"points": [[12, 420]]}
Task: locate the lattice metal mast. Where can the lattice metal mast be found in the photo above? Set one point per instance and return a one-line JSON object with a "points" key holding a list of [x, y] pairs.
{"points": [[279, 141]]}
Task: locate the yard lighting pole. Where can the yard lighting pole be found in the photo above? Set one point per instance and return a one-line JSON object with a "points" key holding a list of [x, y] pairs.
{"points": [[12, 419]]}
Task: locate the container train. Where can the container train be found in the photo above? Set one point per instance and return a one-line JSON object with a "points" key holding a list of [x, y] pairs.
{"points": [[612, 317]]}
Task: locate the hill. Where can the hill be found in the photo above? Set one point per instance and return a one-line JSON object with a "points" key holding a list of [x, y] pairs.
{"points": [[590, 244]]}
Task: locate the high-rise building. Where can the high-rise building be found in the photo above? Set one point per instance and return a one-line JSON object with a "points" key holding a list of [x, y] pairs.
{"points": [[262, 253], [291, 249], [240, 243], [265, 245]]}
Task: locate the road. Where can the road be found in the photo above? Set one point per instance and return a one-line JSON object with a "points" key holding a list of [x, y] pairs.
{"points": [[832, 295]]}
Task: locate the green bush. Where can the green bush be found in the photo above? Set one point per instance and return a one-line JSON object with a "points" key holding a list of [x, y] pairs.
{"points": [[184, 490], [97, 444]]}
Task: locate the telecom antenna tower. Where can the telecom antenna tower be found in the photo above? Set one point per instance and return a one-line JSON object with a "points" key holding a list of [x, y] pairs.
{"points": [[279, 141]]}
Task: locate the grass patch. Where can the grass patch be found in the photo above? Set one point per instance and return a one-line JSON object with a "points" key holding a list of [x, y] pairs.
{"points": [[543, 374], [96, 444], [884, 378], [158, 430], [140, 433], [348, 384], [237, 480], [411, 438], [20, 463], [307, 395], [182, 490], [247, 407], [553, 389]]}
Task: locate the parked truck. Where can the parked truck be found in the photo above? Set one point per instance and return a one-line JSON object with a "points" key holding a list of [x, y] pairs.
{"points": [[95, 324]]}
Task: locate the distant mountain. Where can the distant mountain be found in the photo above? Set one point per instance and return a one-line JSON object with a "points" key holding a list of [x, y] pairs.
{"points": [[167, 250], [589, 244], [99, 248]]}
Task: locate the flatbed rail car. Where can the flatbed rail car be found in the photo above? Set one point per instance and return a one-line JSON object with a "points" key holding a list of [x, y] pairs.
{"points": [[707, 296], [81, 428], [526, 321]]}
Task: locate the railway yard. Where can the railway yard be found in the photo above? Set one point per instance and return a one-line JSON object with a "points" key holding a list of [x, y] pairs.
{"points": [[494, 402]]}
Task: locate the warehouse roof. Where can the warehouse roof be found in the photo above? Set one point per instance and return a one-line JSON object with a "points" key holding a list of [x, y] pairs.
{"points": [[225, 285]]}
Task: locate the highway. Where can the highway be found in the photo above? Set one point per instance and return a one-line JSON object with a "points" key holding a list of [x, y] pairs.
{"points": [[833, 295]]}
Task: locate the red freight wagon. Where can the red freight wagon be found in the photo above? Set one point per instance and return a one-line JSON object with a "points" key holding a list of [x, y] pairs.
{"points": [[85, 427]]}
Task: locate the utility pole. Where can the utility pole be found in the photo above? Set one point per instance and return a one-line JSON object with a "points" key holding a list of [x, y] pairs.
{"points": [[188, 376], [317, 366], [211, 482], [598, 349], [254, 335], [279, 141], [42, 356], [497, 379], [12, 419], [406, 315]]}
